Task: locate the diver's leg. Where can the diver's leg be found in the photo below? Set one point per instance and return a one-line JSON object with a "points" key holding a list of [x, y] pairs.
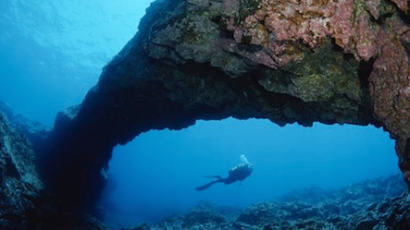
{"points": [[203, 187]]}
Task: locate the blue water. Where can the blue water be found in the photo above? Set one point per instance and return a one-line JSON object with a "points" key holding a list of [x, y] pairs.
{"points": [[52, 52]]}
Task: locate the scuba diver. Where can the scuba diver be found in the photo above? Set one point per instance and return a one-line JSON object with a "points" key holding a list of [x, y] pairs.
{"points": [[238, 173]]}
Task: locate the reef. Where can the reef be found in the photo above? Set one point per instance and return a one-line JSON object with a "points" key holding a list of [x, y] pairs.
{"points": [[377, 204]]}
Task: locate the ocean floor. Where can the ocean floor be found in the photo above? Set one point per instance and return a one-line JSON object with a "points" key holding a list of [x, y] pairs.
{"points": [[379, 204]]}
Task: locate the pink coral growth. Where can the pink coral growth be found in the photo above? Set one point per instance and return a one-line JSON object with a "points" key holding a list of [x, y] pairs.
{"points": [[278, 25], [390, 79], [365, 41], [277, 22], [342, 23], [293, 20]]}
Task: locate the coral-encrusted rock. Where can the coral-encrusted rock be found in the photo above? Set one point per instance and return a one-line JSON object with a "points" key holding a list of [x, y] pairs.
{"points": [[288, 61]]}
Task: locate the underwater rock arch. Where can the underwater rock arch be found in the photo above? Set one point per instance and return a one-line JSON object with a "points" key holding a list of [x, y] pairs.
{"points": [[214, 59]]}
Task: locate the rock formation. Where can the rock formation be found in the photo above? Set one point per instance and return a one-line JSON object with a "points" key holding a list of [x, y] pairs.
{"points": [[373, 204], [19, 180], [343, 61], [36, 132], [26, 204]]}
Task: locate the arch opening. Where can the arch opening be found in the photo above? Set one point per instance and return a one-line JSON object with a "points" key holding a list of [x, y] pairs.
{"points": [[155, 175]]}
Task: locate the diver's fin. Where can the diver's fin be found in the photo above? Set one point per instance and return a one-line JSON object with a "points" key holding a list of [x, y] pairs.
{"points": [[217, 177], [203, 187]]}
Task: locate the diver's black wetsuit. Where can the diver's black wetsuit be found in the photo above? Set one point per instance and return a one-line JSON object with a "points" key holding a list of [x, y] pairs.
{"points": [[238, 173]]}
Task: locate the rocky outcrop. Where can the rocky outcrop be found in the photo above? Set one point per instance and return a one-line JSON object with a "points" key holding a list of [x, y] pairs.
{"points": [[19, 181], [373, 204], [288, 61], [24, 200]]}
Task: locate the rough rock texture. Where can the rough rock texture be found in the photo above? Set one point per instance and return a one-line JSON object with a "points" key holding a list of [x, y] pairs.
{"points": [[24, 202], [343, 61], [19, 182], [36, 132], [373, 204]]}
